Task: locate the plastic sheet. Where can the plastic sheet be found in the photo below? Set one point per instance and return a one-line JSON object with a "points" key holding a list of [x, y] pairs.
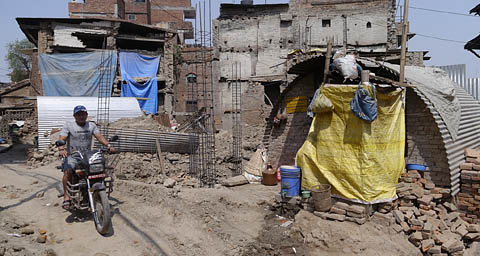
{"points": [[362, 161]]}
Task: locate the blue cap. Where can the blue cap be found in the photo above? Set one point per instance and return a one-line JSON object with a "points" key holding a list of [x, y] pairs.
{"points": [[79, 108]]}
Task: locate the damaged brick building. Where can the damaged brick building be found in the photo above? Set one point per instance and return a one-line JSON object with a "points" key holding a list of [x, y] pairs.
{"points": [[159, 13], [59, 35]]}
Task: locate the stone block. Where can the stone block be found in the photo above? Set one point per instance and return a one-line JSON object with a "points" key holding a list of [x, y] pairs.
{"points": [[235, 181]]}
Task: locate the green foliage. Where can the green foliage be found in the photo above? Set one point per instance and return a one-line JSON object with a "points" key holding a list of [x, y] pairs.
{"points": [[19, 63]]}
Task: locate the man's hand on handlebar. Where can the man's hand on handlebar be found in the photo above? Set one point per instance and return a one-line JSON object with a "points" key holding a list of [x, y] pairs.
{"points": [[111, 149]]}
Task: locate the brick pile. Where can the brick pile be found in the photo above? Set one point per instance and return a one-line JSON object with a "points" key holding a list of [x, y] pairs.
{"points": [[469, 196], [422, 211]]}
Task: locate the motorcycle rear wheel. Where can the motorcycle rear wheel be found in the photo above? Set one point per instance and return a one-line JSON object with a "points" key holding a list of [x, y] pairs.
{"points": [[102, 215]]}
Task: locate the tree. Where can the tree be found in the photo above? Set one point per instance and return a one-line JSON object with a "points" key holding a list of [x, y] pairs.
{"points": [[19, 63]]}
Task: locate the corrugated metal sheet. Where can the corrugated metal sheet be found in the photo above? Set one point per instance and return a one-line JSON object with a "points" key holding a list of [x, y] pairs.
{"points": [[131, 140], [54, 111], [458, 74], [468, 135]]}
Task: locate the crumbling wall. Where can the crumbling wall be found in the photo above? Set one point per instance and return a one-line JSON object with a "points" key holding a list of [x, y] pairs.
{"points": [[370, 23], [424, 142]]}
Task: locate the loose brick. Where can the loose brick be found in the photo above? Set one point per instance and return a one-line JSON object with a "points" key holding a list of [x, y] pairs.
{"points": [[357, 209], [427, 244], [336, 210], [405, 226], [473, 228], [470, 152], [453, 245], [397, 228], [340, 205], [333, 216], [466, 166], [399, 217], [435, 250], [356, 215], [428, 227], [415, 237], [472, 236], [415, 222], [476, 167], [462, 231]]}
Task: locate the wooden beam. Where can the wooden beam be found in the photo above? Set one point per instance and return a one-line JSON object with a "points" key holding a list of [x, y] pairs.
{"points": [[160, 157]]}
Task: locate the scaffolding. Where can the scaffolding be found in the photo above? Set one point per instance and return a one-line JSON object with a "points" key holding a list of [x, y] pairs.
{"points": [[104, 92], [236, 87], [200, 101]]}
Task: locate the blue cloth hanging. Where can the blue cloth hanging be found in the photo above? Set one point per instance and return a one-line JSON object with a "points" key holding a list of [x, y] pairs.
{"points": [[77, 74], [136, 65]]}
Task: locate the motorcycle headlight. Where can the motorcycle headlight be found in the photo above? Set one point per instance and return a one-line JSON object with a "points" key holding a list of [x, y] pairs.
{"points": [[96, 168]]}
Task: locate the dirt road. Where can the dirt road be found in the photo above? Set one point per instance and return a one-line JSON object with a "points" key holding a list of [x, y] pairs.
{"points": [[147, 219]]}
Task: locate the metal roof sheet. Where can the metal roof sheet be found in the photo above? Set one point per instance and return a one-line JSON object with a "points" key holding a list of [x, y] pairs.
{"points": [[54, 111]]}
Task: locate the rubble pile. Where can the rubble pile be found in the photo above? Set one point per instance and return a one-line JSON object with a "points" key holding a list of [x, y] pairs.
{"points": [[140, 123], [29, 128], [145, 167], [39, 158], [251, 141], [423, 212], [469, 197]]}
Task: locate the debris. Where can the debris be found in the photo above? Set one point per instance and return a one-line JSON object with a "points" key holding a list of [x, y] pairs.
{"points": [[235, 181]]}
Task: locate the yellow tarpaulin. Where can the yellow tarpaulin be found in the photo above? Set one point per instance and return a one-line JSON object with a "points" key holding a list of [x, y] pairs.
{"points": [[297, 104], [362, 161]]}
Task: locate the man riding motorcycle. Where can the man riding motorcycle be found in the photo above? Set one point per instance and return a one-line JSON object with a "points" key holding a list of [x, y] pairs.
{"points": [[78, 135]]}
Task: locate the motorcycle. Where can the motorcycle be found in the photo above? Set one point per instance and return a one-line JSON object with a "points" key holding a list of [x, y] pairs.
{"points": [[89, 186]]}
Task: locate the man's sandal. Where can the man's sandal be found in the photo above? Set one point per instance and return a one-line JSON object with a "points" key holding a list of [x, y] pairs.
{"points": [[67, 204]]}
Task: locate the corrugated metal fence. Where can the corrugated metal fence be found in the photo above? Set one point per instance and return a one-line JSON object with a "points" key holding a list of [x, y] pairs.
{"points": [[458, 74]]}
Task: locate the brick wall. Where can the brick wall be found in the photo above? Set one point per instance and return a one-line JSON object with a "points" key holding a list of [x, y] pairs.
{"points": [[287, 139], [100, 7], [424, 143]]}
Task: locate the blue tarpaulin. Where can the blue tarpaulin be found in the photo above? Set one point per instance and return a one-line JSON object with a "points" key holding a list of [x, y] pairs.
{"points": [[136, 65], [77, 74]]}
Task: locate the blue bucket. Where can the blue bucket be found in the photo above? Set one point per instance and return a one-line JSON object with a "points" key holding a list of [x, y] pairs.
{"points": [[290, 176]]}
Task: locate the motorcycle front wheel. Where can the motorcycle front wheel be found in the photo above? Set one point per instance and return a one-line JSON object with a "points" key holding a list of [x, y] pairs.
{"points": [[102, 215]]}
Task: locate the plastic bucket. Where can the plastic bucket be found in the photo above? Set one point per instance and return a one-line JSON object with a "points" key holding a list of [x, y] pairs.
{"points": [[417, 167], [290, 176], [321, 196]]}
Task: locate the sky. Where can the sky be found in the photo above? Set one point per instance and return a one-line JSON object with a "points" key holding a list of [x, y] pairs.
{"points": [[426, 24]]}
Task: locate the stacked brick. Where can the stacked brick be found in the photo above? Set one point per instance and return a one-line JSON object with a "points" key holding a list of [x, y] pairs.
{"points": [[347, 211], [469, 197]]}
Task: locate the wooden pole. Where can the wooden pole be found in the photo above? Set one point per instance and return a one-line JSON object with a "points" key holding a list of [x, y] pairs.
{"points": [[327, 59], [160, 158], [404, 42]]}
